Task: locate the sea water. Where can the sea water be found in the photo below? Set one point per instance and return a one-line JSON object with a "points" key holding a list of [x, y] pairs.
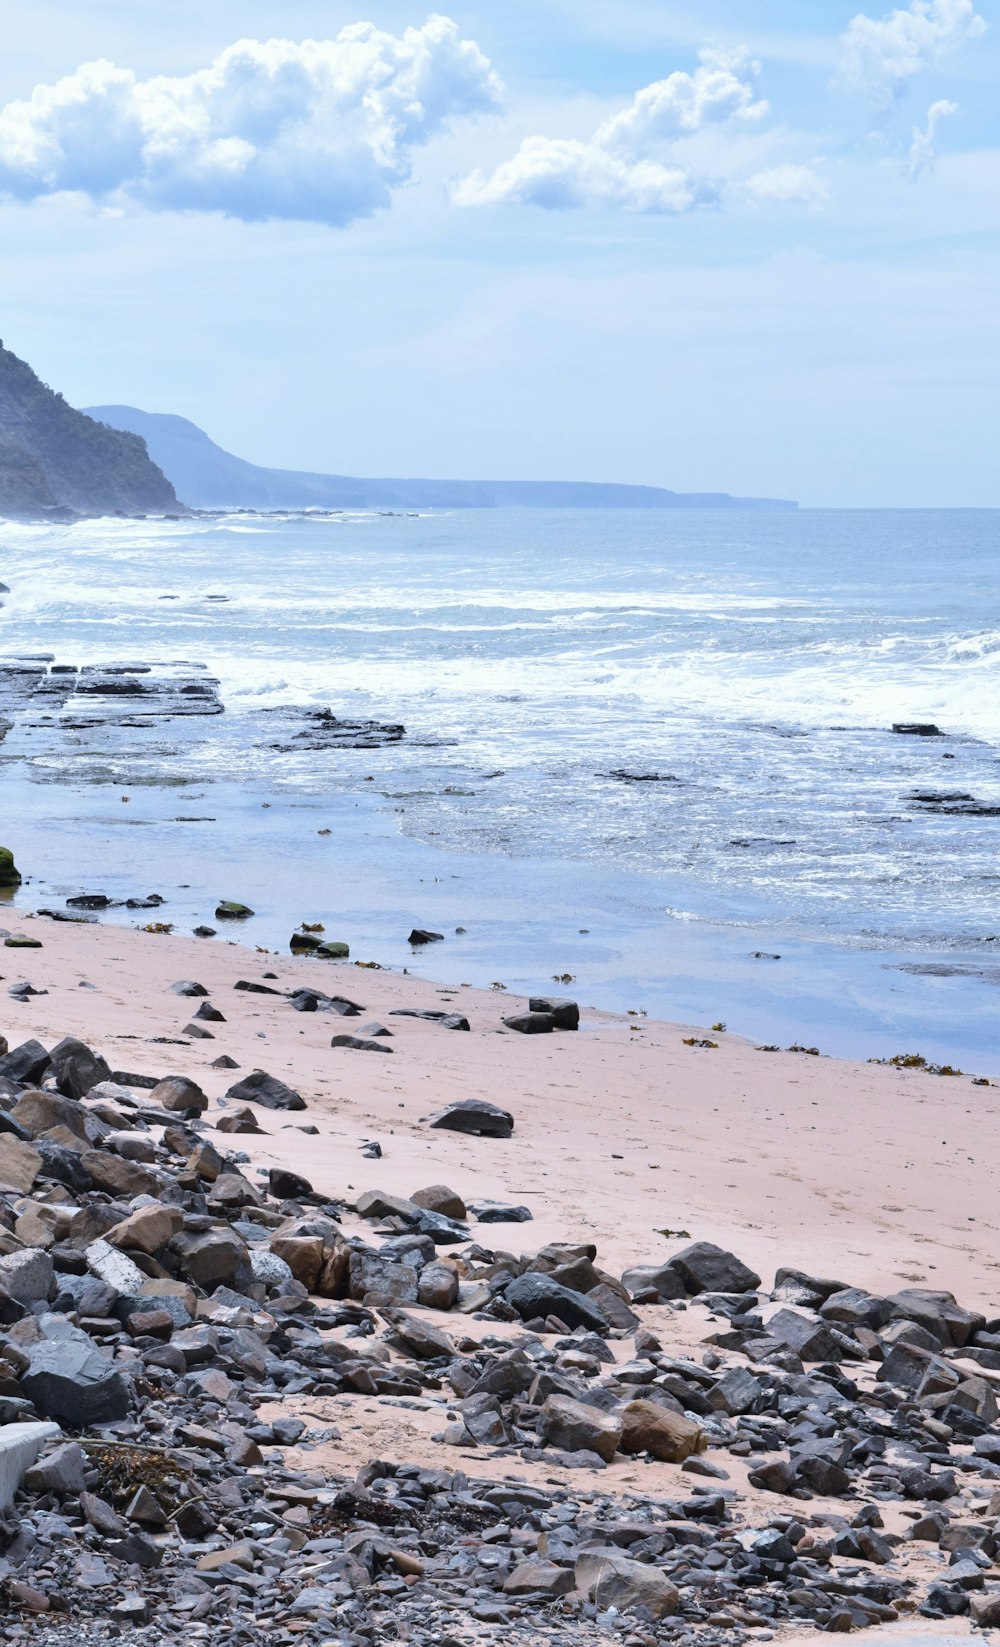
{"points": [[672, 730]]}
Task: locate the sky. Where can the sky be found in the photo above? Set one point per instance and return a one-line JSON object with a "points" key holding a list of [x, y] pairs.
{"points": [[749, 246]]}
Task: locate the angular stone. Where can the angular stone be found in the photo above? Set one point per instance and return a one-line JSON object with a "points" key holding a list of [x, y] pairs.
{"points": [[303, 1254], [648, 1427], [937, 1313], [576, 1427], [114, 1268], [40, 1112], [419, 1338], [286, 1185], [374, 1276], [122, 1179], [59, 1472], [241, 1120], [260, 1088], [179, 1095], [20, 1164], [76, 1069], [439, 1198], [147, 1230], [705, 1267], [535, 1296], [807, 1337], [27, 1276], [69, 1380], [26, 1063], [662, 1279], [531, 1023], [437, 1288], [613, 1580], [213, 1259], [564, 1014], [536, 1577], [474, 1116]]}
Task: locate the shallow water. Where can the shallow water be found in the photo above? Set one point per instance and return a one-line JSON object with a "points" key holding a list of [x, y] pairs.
{"points": [[753, 664]]}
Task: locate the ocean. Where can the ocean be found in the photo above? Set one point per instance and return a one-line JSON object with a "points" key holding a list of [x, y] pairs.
{"points": [[648, 752]]}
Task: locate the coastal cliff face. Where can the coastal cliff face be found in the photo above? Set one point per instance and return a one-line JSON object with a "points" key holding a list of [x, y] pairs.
{"points": [[56, 462]]}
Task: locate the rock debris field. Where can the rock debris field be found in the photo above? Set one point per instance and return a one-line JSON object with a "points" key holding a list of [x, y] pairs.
{"points": [[184, 1340]]}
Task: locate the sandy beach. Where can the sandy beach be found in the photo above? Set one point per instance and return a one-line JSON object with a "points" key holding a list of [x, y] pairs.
{"points": [[884, 1177]]}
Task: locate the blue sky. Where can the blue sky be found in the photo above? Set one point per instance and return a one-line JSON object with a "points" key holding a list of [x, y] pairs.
{"points": [[723, 246]]}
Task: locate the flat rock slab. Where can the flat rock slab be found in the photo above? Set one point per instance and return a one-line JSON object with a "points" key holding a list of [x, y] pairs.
{"points": [[20, 1446], [475, 1116]]}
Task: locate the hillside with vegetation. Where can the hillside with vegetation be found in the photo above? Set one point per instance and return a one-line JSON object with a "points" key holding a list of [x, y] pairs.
{"points": [[55, 461]]}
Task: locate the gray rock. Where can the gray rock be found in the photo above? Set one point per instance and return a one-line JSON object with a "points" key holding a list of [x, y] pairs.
{"points": [[68, 1379], [76, 1069], [535, 1295], [260, 1088], [611, 1579], [576, 1427], [27, 1276], [25, 1064], [705, 1267], [475, 1116], [59, 1472]]}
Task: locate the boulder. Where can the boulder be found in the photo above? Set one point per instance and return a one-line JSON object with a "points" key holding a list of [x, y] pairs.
{"points": [[418, 1338], [228, 910], [937, 1313], [213, 1258], [373, 1276], [808, 1337], [661, 1279], [439, 1198], [20, 1164], [285, 1185], [535, 1296], [122, 1179], [241, 1120], [531, 1023], [147, 1230], [704, 1267], [303, 1255], [475, 1116], [260, 1088], [188, 988], [42, 1112], [10, 875], [27, 1276], [421, 935], [437, 1288], [25, 1064], [538, 1577], [179, 1095], [647, 1427], [576, 1427], [59, 1472], [610, 1579], [69, 1380], [76, 1069], [564, 1014]]}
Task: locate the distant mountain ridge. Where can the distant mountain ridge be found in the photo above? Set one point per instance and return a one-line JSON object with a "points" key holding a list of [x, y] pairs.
{"points": [[207, 477], [57, 463]]}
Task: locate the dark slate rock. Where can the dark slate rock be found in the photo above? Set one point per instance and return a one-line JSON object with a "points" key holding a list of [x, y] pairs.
{"points": [[260, 1088], [536, 1296], [476, 1116]]}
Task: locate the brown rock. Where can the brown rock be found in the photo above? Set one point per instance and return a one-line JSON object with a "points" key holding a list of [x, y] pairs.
{"points": [[147, 1230], [177, 1093], [304, 1256], [649, 1428], [118, 1176], [19, 1164], [439, 1198], [576, 1427]]}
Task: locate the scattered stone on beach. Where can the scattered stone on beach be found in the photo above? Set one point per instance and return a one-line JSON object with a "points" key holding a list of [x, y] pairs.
{"points": [[189, 988], [19, 940], [261, 1088], [564, 1014], [447, 1020], [439, 1198], [228, 910], [476, 1116], [359, 1043], [420, 935], [179, 1094], [532, 1023]]}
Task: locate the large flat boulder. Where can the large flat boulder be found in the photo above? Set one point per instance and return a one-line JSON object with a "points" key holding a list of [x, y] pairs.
{"points": [[261, 1088]]}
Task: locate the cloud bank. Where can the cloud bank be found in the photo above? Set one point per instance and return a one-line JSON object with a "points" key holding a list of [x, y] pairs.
{"points": [[879, 56], [923, 149], [318, 130], [632, 161]]}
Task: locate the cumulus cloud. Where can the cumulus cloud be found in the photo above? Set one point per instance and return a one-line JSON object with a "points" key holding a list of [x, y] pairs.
{"points": [[923, 149], [632, 161], [880, 55], [794, 185], [320, 130]]}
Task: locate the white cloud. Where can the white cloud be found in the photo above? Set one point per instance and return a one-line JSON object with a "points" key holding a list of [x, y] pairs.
{"points": [[635, 160], [923, 149], [321, 130], [879, 56], [794, 185]]}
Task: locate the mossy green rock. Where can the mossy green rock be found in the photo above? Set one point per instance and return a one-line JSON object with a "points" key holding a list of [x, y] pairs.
{"points": [[9, 875], [228, 911], [17, 942], [334, 952]]}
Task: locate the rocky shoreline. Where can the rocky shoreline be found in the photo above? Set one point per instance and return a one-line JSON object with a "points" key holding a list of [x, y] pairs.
{"points": [[816, 1455]]}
